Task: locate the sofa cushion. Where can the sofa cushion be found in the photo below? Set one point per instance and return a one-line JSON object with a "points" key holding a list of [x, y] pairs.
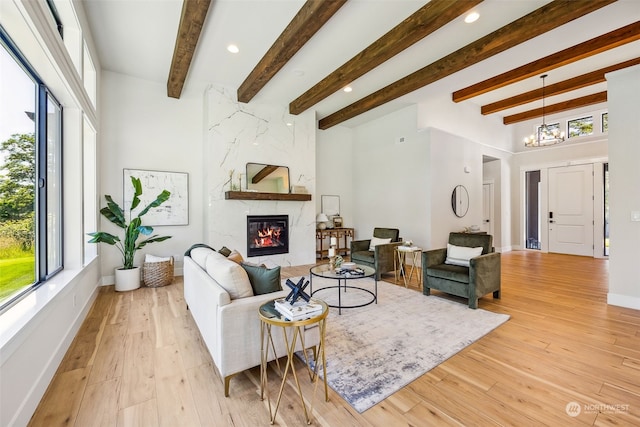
{"points": [[375, 241], [263, 280], [460, 255], [449, 272], [229, 275], [363, 256], [199, 255]]}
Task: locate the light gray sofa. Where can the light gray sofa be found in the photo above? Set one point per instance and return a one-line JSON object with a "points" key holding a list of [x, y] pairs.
{"points": [[230, 327]]}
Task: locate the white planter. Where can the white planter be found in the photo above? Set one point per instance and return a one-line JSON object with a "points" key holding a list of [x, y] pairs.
{"points": [[127, 280]]}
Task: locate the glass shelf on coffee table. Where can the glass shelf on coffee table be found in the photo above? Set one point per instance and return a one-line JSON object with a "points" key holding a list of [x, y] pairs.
{"points": [[343, 277]]}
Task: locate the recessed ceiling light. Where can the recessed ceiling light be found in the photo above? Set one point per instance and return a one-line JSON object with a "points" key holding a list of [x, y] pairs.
{"points": [[298, 73], [233, 48], [471, 17], [347, 89]]}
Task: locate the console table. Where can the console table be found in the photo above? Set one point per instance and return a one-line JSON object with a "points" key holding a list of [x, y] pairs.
{"points": [[323, 240]]}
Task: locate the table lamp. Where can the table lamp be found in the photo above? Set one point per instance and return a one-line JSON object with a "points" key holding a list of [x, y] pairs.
{"points": [[322, 220]]}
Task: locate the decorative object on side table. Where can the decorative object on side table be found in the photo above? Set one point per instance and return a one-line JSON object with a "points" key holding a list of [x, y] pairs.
{"points": [[297, 290], [128, 276], [322, 220]]}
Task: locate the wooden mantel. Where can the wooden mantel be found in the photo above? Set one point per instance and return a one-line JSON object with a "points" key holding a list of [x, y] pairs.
{"points": [[253, 195]]}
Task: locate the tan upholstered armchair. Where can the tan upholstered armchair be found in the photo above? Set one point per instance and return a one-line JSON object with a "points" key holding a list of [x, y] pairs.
{"points": [[443, 271], [381, 257]]}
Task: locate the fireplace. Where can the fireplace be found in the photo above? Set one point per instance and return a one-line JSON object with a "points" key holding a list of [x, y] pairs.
{"points": [[267, 235]]}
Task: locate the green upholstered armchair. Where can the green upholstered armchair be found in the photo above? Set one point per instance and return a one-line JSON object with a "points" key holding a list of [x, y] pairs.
{"points": [[381, 259], [481, 277]]}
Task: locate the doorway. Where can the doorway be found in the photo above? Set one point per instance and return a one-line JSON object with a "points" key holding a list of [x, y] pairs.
{"points": [[533, 229], [487, 208], [570, 216]]}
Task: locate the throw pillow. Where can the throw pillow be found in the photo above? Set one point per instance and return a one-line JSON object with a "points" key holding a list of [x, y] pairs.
{"points": [[225, 251], [153, 258], [460, 255], [375, 241], [263, 280], [235, 256], [229, 276]]}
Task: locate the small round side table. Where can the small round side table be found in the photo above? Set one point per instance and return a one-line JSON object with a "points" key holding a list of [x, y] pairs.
{"points": [[292, 332]]}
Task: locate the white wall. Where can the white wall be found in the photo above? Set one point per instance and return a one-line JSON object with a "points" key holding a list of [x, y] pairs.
{"points": [[238, 133], [389, 178], [408, 185], [142, 128], [624, 152], [334, 160]]}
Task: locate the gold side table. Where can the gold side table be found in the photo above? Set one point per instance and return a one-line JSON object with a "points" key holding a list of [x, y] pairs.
{"points": [[292, 332], [400, 263]]}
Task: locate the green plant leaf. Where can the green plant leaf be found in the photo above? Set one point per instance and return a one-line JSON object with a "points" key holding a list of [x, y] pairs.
{"points": [[162, 197], [145, 229], [114, 213], [103, 237], [137, 189], [151, 240]]}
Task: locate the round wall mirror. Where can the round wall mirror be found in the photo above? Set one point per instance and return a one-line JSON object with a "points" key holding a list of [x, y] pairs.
{"points": [[460, 201]]}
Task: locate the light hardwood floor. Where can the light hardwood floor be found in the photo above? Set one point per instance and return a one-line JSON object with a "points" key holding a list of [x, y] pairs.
{"points": [[138, 360]]}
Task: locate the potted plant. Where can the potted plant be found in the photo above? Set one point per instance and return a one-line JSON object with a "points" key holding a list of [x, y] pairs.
{"points": [[128, 276]]}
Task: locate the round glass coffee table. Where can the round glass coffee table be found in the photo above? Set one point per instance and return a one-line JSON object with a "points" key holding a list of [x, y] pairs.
{"points": [[343, 277]]}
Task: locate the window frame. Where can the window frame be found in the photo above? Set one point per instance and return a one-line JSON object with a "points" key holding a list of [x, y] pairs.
{"points": [[43, 271]]}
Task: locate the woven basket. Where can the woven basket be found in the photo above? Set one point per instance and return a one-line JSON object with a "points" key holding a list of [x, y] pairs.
{"points": [[156, 274]]}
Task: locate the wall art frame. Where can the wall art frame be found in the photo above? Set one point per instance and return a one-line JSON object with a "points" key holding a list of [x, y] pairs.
{"points": [[174, 211]]}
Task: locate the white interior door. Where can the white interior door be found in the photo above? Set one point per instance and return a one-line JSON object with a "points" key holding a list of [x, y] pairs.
{"points": [[487, 208], [570, 213]]}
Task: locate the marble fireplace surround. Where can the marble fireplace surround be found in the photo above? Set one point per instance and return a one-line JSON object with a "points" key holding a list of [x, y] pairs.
{"points": [[239, 133]]}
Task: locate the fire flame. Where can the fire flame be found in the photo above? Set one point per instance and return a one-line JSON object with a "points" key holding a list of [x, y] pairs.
{"points": [[268, 237]]}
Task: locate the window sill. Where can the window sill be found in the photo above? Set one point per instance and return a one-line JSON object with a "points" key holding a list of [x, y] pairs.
{"points": [[23, 315]]}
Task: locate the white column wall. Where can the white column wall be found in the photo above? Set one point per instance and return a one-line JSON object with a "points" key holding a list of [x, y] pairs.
{"points": [[623, 89], [238, 133]]}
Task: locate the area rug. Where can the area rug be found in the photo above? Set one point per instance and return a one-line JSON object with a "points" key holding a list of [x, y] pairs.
{"points": [[374, 351]]}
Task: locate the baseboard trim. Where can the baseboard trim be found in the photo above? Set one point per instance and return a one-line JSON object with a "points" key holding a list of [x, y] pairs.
{"points": [[623, 301]]}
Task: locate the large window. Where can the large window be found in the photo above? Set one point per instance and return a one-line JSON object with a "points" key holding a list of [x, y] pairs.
{"points": [[30, 177]]}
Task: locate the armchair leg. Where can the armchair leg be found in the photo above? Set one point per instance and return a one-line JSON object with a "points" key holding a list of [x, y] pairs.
{"points": [[496, 294], [473, 303], [426, 291]]}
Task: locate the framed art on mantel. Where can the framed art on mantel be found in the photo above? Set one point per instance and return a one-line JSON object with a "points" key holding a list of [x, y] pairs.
{"points": [[174, 211]]}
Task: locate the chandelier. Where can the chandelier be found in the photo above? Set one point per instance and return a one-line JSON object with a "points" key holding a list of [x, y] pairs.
{"points": [[547, 134]]}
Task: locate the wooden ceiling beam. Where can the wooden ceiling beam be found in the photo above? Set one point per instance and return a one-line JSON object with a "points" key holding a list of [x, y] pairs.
{"points": [[569, 85], [263, 173], [192, 19], [613, 39], [309, 19], [571, 104], [420, 24], [541, 20]]}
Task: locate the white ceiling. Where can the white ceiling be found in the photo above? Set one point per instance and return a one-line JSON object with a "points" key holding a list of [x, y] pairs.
{"points": [[137, 37]]}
